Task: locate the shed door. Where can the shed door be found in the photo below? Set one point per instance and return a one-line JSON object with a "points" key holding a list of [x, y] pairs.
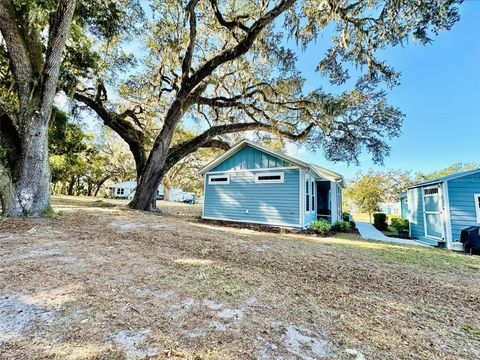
{"points": [[432, 210]]}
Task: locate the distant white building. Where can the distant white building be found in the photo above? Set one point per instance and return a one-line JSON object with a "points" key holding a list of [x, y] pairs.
{"points": [[126, 190], [179, 195], [390, 208]]}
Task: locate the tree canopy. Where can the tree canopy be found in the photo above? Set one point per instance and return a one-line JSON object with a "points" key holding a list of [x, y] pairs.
{"points": [[224, 67], [219, 68]]}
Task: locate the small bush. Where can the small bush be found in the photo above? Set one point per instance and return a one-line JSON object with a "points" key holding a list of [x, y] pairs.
{"points": [[380, 221], [346, 216], [399, 223], [321, 227], [343, 226]]}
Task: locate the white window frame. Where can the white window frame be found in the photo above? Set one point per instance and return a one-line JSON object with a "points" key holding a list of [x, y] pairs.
{"points": [[313, 195], [477, 206], [219, 176], [120, 191], [279, 181], [440, 212]]}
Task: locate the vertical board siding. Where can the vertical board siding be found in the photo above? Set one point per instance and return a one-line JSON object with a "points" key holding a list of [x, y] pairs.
{"points": [[250, 158], [275, 204], [415, 212], [404, 207], [462, 203]]}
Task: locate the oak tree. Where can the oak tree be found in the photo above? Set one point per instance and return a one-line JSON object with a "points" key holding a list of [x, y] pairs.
{"points": [[225, 67]]}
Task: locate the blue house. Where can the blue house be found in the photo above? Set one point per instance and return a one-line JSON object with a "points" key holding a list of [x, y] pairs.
{"points": [[253, 184], [439, 209]]}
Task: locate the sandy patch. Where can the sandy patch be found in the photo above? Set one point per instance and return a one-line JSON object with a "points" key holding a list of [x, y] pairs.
{"points": [[135, 344], [18, 317]]}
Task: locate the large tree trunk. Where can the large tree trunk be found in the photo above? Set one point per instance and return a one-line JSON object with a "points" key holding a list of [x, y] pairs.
{"points": [[25, 188], [30, 188], [154, 171]]}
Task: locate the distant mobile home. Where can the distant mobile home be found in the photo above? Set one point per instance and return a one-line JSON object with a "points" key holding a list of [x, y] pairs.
{"points": [[439, 209], [126, 190], [253, 184]]}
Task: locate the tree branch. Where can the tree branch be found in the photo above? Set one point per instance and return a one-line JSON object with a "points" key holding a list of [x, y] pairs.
{"points": [[187, 60], [17, 49], [230, 25], [240, 49], [58, 33], [134, 137], [179, 151]]}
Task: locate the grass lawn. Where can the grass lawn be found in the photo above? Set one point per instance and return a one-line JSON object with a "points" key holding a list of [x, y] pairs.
{"points": [[362, 217], [105, 282]]}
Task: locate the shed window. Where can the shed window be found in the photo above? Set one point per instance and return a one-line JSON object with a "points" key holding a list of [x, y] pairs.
{"points": [[430, 191], [307, 195], [219, 179], [477, 206], [313, 196], [120, 191], [269, 178]]}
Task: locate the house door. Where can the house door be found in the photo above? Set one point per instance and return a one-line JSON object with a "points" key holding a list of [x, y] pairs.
{"points": [[432, 212]]}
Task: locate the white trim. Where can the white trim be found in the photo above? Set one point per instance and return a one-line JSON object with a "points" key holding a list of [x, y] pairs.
{"points": [[210, 177], [313, 196], [477, 206], [204, 194], [252, 170], [409, 216], [333, 202], [271, 181], [440, 196], [446, 215], [254, 222], [301, 198], [310, 180]]}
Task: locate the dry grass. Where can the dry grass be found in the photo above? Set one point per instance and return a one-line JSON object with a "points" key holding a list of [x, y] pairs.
{"points": [[105, 282]]}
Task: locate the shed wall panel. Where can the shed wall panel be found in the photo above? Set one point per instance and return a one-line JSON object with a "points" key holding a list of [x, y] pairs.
{"points": [[268, 203], [462, 203]]}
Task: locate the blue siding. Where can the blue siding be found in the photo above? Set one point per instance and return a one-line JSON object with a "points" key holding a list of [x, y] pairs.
{"points": [[250, 158], [415, 210], [404, 207], [462, 204], [276, 204]]}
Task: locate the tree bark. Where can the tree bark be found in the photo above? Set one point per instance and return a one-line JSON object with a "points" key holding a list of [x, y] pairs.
{"points": [[25, 188], [30, 189]]}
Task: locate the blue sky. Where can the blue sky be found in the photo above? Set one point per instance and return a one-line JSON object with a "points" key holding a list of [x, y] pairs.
{"points": [[439, 93]]}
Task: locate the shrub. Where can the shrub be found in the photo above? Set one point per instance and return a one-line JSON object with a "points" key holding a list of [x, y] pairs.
{"points": [[346, 216], [380, 221], [342, 226], [399, 223], [321, 227]]}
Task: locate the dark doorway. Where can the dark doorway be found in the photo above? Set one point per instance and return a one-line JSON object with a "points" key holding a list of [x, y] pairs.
{"points": [[323, 203]]}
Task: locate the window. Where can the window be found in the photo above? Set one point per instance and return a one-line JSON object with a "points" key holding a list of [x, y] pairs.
{"points": [[219, 179], [430, 191], [477, 206], [307, 195], [120, 191], [313, 196], [269, 178]]}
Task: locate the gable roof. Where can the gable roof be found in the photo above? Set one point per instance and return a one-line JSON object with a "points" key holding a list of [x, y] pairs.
{"points": [[318, 170], [445, 178]]}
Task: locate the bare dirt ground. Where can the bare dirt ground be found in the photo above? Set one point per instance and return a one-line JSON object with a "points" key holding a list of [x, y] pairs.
{"points": [[105, 282]]}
